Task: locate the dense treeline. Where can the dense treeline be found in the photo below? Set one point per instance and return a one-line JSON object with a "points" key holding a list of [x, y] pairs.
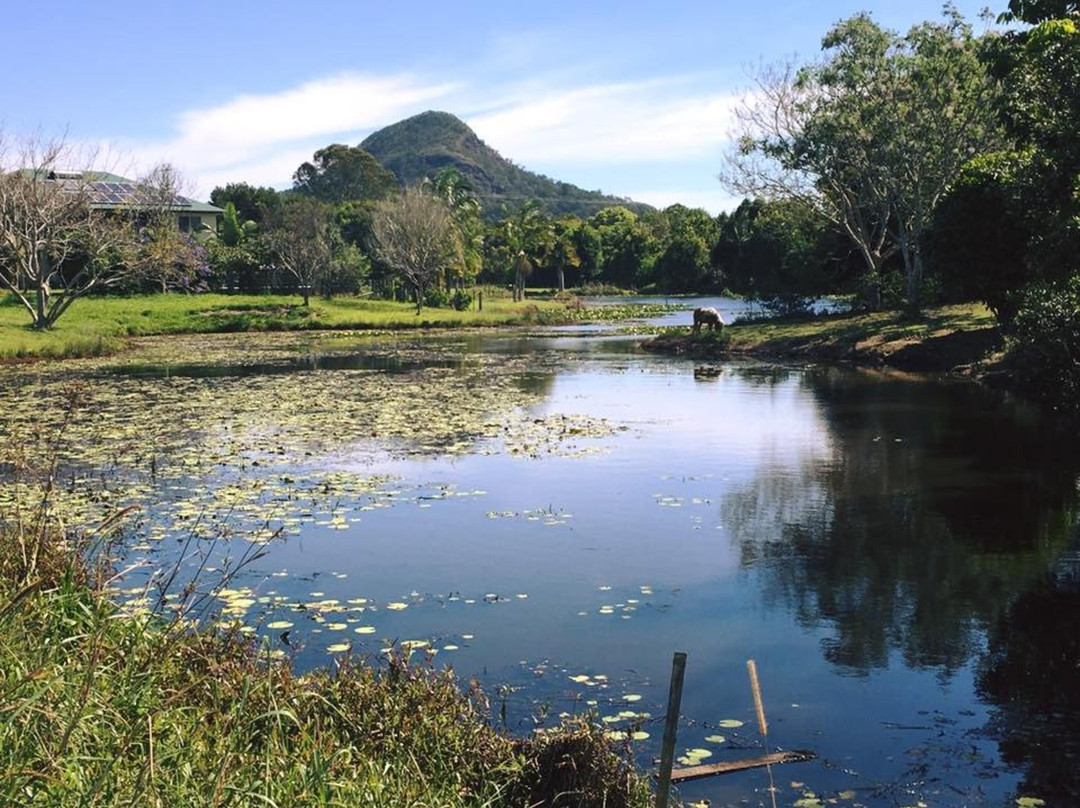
{"points": [[781, 251]]}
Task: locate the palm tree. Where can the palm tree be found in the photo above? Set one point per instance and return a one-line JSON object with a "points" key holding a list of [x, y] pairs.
{"points": [[528, 236], [454, 188]]}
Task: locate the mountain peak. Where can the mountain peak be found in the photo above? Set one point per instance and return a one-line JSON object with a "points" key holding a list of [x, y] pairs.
{"points": [[425, 144]]}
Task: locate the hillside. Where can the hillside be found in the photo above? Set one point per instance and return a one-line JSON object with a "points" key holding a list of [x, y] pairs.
{"points": [[424, 144]]}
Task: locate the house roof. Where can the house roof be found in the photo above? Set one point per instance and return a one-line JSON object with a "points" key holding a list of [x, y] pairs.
{"points": [[111, 191]]}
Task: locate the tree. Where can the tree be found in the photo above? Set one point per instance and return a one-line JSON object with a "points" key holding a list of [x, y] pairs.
{"points": [[872, 136], [628, 247], [454, 188], [343, 173], [413, 234], [231, 256], [980, 239], [303, 244], [590, 249], [1043, 113], [232, 232], [563, 254], [54, 247], [684, 263], [736, 229], [160, 253], [1035, 11], [526, 237], [252, 204]]}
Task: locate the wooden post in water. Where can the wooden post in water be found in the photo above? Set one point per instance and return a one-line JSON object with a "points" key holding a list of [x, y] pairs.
{"points": [[759, 702], [671, 728], [763, 725]]}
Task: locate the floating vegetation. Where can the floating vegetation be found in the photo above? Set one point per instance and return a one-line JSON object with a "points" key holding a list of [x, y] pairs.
{"points": [[549, 516], [693, 757], [224, 442], [627, 735], [190, 443]]}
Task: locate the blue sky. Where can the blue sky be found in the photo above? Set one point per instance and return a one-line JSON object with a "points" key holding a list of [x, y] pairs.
{"points": [[632, 98]]}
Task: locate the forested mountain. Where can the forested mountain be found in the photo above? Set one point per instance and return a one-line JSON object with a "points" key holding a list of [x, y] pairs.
{"points": [[424, 144]]}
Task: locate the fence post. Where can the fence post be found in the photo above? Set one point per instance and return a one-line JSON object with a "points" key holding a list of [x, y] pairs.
{"points": [[671, 728]]}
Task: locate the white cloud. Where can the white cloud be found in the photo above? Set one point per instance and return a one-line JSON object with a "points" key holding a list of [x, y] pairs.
{"points": [[339, 104], [257, 138], [652, 121]]}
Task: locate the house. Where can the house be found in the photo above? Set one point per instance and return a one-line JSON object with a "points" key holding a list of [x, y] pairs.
{"points": [[110, 192]]}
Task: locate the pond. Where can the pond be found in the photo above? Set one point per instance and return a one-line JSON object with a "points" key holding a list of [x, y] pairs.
{"points": [[554, 514]]}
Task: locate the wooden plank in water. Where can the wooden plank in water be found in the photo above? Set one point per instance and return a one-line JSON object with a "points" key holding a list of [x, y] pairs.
{"points": [[710, 769]]}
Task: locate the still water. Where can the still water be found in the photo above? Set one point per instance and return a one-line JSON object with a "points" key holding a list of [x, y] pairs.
{"points": [[899, 554]]}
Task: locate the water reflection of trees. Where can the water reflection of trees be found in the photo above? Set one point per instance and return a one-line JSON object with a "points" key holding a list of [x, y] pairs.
{"points": [[934, 508], [1031, 673]]}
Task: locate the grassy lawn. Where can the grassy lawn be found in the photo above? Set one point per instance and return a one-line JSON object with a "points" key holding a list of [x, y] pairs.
{"points": [[97, 326]]}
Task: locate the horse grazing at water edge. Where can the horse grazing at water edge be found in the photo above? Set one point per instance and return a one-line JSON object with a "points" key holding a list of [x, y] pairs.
{"points": [[709, 316]]}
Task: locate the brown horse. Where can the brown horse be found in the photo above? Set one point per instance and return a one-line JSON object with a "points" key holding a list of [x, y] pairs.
{"points": [[710, 317]]}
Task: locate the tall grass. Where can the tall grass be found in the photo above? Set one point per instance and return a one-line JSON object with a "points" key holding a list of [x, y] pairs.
{"points": [[101, 708]]}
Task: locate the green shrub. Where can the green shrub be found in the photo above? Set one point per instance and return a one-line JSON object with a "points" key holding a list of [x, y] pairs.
{"points": [[461, 300], [436, 298], [1045, 354]]}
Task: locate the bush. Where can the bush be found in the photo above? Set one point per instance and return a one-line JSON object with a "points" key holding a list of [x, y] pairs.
{"points": [[1045, 355], [570, 300], [436, 298], [461, 300]]}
